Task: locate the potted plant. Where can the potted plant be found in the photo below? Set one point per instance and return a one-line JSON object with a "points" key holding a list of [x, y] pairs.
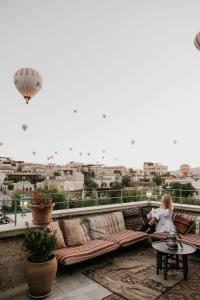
{"points": [[41, 264], [41, 207]]}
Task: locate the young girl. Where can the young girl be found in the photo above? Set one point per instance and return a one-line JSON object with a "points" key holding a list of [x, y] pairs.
{"points": [[160, 219]]}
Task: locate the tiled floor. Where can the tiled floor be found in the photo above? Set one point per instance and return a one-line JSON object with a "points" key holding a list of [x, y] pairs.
{"points": [[68, 287]]}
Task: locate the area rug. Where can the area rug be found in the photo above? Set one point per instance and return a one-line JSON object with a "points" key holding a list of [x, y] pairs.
{"points": [[132, 276]]}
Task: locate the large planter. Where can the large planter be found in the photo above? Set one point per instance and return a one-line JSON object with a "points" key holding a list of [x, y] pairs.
{"points": [[41, 215], [40, 277]]}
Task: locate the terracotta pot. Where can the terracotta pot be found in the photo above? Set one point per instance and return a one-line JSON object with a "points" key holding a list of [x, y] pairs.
{"points": [[41, 216], [40, 277]]}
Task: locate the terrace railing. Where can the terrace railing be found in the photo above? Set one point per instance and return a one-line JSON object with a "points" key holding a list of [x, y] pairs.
{"points": [[10, 210]]}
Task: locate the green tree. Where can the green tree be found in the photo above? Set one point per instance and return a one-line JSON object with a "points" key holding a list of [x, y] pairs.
{"points": [[158, 180], [126, 180]]}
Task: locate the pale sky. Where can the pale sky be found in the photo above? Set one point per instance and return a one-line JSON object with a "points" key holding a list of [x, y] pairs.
{"points": [[134, 61]]}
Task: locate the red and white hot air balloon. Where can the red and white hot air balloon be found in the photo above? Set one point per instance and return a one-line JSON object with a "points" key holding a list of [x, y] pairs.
{"points": [[197, 41], [28, 82]]}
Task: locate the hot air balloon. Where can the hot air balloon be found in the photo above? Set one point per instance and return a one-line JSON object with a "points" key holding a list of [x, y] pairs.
{"points": [[75, 111], [80, 153], [24, 127], [104, 151], [175, 141], [104, 116], [88, 154], [70, 148], [33, 152], [28, 82], [1, 144], [197, 41], [132, 142], [56, 152]]}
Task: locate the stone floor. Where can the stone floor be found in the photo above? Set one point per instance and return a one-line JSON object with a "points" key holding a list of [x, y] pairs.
{"points": [[68, 287]]}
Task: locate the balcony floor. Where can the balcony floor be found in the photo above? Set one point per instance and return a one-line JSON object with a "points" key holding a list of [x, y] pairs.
{"points": [[125, 270]]}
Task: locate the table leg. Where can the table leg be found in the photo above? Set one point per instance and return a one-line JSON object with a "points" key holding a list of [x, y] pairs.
{"points": [[177, 262], [185, 266], [165, 266], [158, 254]]}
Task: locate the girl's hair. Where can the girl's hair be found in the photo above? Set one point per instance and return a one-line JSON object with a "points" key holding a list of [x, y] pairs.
{"points": [[167, 202]]}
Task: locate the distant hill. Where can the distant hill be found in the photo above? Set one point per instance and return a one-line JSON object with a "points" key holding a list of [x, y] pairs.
{"points": [[194, 171]]}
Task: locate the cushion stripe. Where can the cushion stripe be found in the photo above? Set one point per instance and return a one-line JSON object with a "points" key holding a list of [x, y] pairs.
{"points": [[127, 237], [89, 250]]}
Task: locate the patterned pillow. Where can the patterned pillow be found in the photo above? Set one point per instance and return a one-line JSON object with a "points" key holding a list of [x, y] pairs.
{"points": [[144, 212], [133, 219], [54, 227], [104, 225], [183, 225], [74, 232], [187, 216]]}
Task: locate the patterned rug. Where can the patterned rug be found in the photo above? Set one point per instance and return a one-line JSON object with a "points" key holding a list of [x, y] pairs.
{"points": [[132, 276]]}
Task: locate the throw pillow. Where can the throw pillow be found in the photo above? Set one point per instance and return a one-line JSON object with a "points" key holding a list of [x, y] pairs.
{"points": [[133, 219], [74, 232], [104, 225], [54, 227], [183, 225]]}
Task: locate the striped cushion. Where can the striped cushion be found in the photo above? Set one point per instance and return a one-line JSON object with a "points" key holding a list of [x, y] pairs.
{"points": [[159, 235], [191, 239], [127, 237], [104, 225], [72, 255], [74, 234], [54, 227], [183, 225]]}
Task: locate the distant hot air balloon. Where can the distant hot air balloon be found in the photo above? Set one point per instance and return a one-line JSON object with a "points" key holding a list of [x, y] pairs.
{"points": [[28, 82], [197, 41], [175, 141], [33, 152], [88, 154], [70, 148], [80, 153], [104, 151], [24, 127], [75, 111], [1, 144], [132, 142], [104, 116], [56, 152]]}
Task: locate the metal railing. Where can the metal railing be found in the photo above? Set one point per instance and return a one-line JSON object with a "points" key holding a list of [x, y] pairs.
{"points": [[10, 210]]}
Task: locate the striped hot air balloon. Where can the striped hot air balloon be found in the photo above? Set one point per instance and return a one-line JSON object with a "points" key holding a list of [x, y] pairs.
{"points": [[28, 82], [197, 41]]}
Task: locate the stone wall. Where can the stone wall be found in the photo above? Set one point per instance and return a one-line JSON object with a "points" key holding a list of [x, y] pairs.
{"points": [[12, 259]]}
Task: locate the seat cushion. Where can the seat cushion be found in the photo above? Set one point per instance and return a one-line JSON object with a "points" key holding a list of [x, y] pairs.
{"points": [[159, 235], [72, 255], [191, 239], [133, 219], [106, 224], [127, 237]]}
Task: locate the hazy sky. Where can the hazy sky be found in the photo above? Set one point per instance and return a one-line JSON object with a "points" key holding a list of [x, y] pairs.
{"points": [[134, 61]]}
